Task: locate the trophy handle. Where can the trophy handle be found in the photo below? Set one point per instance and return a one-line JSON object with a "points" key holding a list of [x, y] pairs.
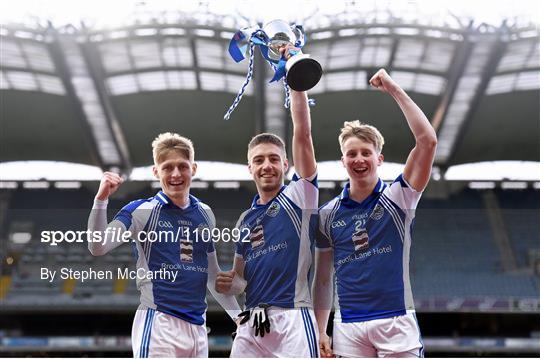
{"points": [[299, 32]]}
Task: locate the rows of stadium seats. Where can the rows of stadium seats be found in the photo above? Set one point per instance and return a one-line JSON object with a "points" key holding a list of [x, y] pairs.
{"points": [[68, 210], [453, 251], [57, 210], [461, 242], [521, 213], [447, 284]]}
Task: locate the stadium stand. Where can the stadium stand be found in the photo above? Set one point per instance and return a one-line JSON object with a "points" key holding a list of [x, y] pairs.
{"points": [[96, 96], [453, 251]]}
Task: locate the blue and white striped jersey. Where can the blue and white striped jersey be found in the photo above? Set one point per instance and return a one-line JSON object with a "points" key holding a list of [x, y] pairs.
{"points": [[371, 243], [278, 255], [185, 297]]}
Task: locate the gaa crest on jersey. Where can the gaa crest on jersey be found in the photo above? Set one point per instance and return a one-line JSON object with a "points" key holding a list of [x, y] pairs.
{"points": [[186, 251], [273, 210], [377, 213], [256, 237], [360, 239]]}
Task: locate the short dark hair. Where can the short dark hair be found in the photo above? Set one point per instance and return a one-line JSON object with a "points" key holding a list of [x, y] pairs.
{"points": [[266, 138]]}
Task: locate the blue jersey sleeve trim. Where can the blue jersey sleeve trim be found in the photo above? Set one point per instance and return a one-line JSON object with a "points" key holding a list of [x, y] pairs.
{"points": [[315, 181], [401, 181], [125, 215], [210, 247], [312, 179], [321, 242], [238, 248]]}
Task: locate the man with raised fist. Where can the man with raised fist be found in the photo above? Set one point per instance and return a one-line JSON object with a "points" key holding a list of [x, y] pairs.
{"points": [[366, 233], [170, 319]]}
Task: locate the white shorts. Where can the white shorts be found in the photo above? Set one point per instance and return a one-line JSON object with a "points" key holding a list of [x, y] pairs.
{"points": [[293, 333], [157, 335], [390, 337]]}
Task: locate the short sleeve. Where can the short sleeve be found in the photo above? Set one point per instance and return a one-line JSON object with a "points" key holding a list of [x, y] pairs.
{"points": [[210, 248], [321, 240], [402, 194], [325, 216], [239, 245], [304, 192], [207, 215], [125, 215], [239, 249]]}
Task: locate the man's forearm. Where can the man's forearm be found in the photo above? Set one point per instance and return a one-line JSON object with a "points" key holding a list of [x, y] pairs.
{"points": [[417, 120], [299, 102], [303, 152], [322, 288], [322, 316], [322, 302], [97, 222], [300, 113]]}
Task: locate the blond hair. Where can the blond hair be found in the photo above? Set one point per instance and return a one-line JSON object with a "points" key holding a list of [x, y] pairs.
{"points": [[167, 142], [365, 132]]}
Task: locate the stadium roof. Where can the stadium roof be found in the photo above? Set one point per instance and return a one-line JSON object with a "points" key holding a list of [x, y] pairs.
{"points": [[97, 95]]}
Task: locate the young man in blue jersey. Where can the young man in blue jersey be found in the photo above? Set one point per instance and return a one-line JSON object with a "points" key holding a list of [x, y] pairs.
{"points": [[272, 268], [366, 233], [174, 264]]}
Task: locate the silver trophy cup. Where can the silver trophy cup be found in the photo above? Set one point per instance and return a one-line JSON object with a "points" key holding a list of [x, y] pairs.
{"points": [[303, 72]]}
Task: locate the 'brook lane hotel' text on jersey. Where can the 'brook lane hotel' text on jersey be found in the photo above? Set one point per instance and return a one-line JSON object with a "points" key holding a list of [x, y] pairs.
{"points": [[371, 243], [180, 247], [278, 254]]}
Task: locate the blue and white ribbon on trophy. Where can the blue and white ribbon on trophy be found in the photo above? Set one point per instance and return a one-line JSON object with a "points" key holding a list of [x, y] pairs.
{"points": [[243, 43]]}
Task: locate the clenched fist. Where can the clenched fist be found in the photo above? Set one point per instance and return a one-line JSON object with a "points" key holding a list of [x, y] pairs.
{"points": [[108, 185], [224, 281], [382, 81]]}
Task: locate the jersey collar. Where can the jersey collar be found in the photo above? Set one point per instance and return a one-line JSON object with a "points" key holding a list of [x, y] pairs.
{"points": [[162, 198], [345, 194], [254, 203]]}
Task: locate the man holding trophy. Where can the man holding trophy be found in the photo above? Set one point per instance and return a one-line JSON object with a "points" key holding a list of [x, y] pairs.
{"points": [[273, 267]]}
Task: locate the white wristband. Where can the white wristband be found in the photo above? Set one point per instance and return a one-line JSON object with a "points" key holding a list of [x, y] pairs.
{"points": [[98, 204]]}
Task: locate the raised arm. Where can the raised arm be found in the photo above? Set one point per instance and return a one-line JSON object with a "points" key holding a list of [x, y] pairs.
{"points": [[418, 166], [97, 220], [302, 143], [322, 297]]}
